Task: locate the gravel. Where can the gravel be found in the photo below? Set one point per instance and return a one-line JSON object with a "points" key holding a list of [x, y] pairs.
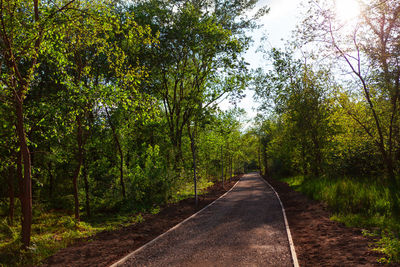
{"points": [[243, 228]]}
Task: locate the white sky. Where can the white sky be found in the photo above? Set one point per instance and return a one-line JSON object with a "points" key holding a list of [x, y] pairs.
{"points": [[277, 24]]}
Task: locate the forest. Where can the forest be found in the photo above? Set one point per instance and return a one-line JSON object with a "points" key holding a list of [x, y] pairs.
{"points": [[111, 108]]}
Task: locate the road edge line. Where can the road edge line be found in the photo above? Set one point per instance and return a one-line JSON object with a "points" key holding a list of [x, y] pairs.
{"points": [[289, 235], [125, 258]]}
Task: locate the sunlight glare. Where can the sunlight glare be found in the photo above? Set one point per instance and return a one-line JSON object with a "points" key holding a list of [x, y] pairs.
{"points": [[347, 10]]}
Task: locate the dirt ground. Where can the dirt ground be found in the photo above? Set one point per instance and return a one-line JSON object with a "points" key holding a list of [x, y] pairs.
{"points": [[107, 247], [320, 241]]}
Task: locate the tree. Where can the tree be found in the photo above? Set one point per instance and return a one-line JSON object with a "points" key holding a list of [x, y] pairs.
{"points": [[57, 32], [197, 40], [369, 44], [25, 32], [299, 95]]}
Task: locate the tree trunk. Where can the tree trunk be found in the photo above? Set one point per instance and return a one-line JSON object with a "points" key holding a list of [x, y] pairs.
{"points": [[178, 155], [79, 158], [85, 179], [264, 152], [222, 169], [230, 168], [194, 171], [304, 160], [26, 184], [259, 157], [121, 155], [193, 148], [25, 178], [51, 182], [317, 156]]}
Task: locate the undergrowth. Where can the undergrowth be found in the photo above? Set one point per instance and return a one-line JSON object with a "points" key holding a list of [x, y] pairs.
{"points": [[362, 203], [186, 190], [53, 230]]}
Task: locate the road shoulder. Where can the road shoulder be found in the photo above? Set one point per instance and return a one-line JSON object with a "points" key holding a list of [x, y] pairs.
{"points": [[318, 240]]}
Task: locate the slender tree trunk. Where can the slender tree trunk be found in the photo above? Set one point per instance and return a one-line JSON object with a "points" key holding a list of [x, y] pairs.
{"points": [[51, 181], [11, 193], [222, 169], [230, 169], [79, 158], [85, 179], [303, 156], [178, 154], [317, 161], [259, 157], [26, 184], [266, 171], [121, 155], [121, 173], [193, 148], [194, 171]]}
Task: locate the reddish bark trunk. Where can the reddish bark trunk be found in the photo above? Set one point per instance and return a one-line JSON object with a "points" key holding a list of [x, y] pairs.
{"points": [[25, 183]]}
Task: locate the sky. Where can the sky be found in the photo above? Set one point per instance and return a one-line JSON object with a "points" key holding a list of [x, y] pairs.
{"points": [[277, 25]]}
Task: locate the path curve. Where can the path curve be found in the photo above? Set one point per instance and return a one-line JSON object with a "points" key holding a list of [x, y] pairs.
{"points": [[245, 227]]}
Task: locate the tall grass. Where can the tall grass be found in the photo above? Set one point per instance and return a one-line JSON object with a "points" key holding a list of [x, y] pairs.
{"points": [[362, 203]]}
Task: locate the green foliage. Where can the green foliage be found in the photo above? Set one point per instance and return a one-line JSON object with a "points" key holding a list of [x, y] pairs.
{"points": [[299, 96], [389, 244], [108, 90], [361, 202], [186, 191], [150, 185]]}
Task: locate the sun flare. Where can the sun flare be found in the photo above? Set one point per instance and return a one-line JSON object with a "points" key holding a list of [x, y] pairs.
{"points": [[347, 10]]}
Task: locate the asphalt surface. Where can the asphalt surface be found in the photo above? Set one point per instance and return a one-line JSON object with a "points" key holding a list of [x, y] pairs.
{"points": [[243, 228]]}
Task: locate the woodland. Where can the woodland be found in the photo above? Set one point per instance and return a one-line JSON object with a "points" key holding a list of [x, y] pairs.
{"points": [[109, 109]]}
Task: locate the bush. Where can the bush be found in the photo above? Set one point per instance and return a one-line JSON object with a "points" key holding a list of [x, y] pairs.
{"points": [[389, 244]]}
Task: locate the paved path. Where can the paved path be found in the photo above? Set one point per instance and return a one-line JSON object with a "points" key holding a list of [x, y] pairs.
{"points": [[244, 228]]}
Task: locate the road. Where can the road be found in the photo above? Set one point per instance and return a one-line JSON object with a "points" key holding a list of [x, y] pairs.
{"points": [[243, 228]]}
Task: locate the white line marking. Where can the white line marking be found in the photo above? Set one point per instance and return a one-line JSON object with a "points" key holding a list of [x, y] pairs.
{"points": [[124, 259], [291, 244]]}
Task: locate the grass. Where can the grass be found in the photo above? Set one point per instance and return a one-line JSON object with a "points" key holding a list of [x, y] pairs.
{"points": [[362, 203], [186, 190], [54, 230]]}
